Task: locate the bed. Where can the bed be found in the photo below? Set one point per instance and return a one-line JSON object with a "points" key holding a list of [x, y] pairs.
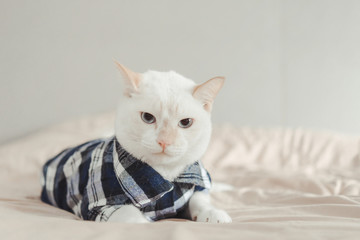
{"points": [[279, 183]]}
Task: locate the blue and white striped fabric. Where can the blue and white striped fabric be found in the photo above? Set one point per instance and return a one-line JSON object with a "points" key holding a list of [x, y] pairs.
{"points": [[98, 177]]}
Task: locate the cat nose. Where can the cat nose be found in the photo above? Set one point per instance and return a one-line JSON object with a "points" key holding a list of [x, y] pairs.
{"points": [[163, 145]]}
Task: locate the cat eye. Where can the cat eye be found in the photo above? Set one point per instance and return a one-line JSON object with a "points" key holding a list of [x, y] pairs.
{"points": [[186, 123], [148, 118]]}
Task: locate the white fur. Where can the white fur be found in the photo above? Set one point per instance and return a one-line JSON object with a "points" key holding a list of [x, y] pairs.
{"points": [[167, 96], [170, 98], [128, 214]]}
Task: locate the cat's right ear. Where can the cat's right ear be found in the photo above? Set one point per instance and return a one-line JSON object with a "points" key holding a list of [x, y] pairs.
{"points": [[131, 79]]}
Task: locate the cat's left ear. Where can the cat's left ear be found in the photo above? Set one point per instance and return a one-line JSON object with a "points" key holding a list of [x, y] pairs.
{"points": [[131, 79], [207, 91]]}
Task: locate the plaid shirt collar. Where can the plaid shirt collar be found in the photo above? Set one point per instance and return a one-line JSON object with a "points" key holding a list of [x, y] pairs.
{"points": [[143, 184]]}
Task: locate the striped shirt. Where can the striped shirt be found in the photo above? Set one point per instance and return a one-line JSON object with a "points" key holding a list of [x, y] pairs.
{"points": [[96, 178]]}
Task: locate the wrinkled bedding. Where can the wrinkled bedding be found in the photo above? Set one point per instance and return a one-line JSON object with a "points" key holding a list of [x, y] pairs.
{"points": [[275, 184]]}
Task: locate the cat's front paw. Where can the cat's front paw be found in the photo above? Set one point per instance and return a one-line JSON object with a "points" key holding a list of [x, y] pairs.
{"points": [[212, 216], [128, 214]]}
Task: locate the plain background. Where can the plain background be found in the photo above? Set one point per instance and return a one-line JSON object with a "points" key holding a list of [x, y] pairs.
{"points": [[287, 63]]}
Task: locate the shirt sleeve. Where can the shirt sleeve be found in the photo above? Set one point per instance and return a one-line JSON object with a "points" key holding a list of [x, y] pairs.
{"points": [[206, 180]]}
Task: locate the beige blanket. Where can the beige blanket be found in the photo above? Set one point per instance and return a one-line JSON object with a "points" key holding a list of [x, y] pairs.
{"points": [[275, 184]]}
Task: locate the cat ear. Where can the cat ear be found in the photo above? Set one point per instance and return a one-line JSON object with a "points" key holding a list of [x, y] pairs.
{"points": [[132, 79], [207, 91]]}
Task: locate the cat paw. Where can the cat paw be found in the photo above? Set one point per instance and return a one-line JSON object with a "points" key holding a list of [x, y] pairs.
{"points": [[128, 214], [212, 216]]}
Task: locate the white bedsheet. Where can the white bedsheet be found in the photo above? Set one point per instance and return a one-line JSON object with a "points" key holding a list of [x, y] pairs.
{"points": [[275, 184]]}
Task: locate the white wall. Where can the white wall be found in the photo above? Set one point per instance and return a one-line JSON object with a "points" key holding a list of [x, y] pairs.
{"points": [[321, 64], [294, 63]]}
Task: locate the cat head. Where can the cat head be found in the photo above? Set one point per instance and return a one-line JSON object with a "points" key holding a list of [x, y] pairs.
{"points": [[163, 118]]}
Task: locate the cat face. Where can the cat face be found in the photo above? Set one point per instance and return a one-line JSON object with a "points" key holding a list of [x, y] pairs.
{"points": [[163, 118]]}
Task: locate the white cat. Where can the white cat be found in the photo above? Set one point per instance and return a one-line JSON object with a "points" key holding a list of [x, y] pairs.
{"points": [[163, 119], [151, 168]]}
